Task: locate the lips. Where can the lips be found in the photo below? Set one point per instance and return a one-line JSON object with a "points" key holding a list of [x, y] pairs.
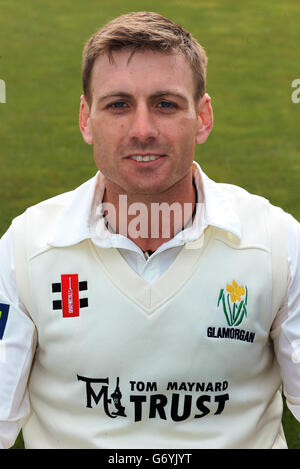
{"points": [[149, 158], [144, 157]]}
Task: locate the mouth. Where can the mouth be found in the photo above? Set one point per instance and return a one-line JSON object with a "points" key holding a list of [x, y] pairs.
{"points": [[145, 159]]}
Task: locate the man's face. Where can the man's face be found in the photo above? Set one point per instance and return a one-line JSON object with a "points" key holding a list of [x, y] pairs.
{"points": [[143, 120]]}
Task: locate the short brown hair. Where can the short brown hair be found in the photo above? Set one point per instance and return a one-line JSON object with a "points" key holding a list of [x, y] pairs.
{"points": [[144, 30]]}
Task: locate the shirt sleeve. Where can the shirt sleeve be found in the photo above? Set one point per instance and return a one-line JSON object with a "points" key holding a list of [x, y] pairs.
{"points": [[286, 327], [17, 348]]}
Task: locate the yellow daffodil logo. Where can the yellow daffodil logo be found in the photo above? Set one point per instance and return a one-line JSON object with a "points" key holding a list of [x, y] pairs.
{"points": [[234, 303], [235, 291]]}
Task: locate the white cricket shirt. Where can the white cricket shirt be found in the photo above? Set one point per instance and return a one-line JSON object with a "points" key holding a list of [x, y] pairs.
{"points": [[72, 229]]}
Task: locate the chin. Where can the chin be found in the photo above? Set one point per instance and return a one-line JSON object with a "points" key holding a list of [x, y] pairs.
{"points": [[148, 189]]}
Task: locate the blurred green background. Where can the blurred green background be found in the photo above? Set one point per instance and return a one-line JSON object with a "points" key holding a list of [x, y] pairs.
{"points": [[253, 52]]}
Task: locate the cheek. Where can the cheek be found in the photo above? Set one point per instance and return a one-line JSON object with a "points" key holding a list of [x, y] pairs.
{"points": [[185, 133], [106, 133], [96, 128]]}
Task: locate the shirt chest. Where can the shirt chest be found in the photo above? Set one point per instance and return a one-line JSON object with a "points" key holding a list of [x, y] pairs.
{"points": [[212, 303]]}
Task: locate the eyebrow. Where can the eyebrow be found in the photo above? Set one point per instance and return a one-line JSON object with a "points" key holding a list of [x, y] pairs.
{"points": [[157, 94], [162, 93], [114, 94]]}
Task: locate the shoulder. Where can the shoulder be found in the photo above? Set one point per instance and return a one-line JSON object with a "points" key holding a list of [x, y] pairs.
{"points": [[41, 216], [251, 205], [48, 210], [52, 204], [262, 223], [238, 195], [67, 212]]}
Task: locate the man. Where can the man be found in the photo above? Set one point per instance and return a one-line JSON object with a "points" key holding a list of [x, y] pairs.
{"points": [[127, 326]]}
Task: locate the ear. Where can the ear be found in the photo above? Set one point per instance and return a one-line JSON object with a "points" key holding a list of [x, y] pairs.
{"points": [[84, 121], [205, 118]]}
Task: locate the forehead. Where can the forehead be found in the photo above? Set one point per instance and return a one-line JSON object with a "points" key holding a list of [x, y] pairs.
{"points": [[143, 72]]}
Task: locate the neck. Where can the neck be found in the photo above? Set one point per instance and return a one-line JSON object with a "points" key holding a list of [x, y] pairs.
{"points": [[150, 220]]}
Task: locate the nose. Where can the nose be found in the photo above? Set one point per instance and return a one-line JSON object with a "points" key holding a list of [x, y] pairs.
{"points": [[143, 126]]}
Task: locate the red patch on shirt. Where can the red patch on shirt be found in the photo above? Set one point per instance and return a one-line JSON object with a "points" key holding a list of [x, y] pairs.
{"points": [[70, 295]]}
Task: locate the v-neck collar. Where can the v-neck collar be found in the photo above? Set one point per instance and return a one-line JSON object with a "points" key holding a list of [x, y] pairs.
{"points": [[150, 296]]}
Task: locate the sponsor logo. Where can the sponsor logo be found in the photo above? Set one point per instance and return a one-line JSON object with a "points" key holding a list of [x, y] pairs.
{"points": [[4, 309], [176, 401], [70, 303]]}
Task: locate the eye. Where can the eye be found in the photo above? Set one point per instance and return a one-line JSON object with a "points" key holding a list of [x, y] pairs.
{"points": [[118, 105], [167, 105]]}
